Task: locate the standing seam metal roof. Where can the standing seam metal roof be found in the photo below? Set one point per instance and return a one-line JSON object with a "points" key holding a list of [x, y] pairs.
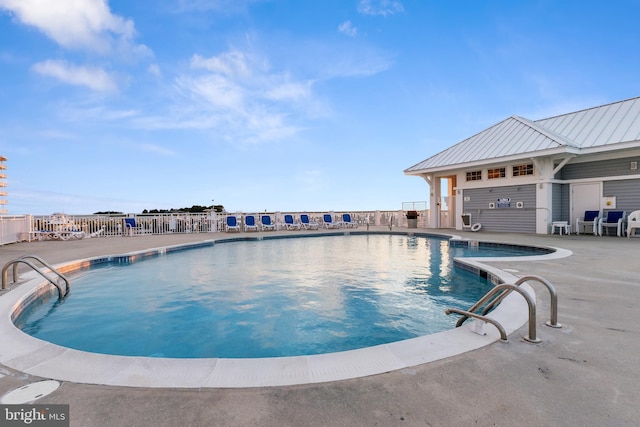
{"points": [[598, 126]]}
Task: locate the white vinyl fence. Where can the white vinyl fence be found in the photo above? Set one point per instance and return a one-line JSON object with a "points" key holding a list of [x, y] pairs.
{"points": [[14, 228], [33, 227]]}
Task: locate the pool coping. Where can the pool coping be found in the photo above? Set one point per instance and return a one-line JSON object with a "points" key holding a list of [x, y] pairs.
{"points": [[40, 358]]}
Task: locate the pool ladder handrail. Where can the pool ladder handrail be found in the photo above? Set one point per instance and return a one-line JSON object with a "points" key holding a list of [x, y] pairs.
{"points": [[25, 260], [500, 292]]}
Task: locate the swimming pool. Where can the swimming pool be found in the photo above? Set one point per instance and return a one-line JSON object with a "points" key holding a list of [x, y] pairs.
{"points": [[265, 298]]}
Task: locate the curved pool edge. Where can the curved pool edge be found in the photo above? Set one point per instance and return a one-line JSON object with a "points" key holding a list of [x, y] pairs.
{"points": [[40, 358]]}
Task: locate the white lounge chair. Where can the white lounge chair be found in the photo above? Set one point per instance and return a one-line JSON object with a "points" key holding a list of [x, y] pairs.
{"points": [[307, 224], [290, 223], [132, 227], [348, 222], [266, 223], [327, 221], [250, 223], [633, 223], [232, 223], [590, 218], [612, 219]]}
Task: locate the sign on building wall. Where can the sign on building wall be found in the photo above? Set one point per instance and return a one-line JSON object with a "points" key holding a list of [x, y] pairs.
{"points": [[504, 202]]}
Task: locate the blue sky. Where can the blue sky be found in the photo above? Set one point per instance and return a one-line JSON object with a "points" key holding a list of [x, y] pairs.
{"points": [[290, 105]]}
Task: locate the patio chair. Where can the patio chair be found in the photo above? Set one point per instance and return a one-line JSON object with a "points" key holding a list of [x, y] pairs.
{"points": [[327, 221], [266, 223], [131, 227], [347, 222], [250, 223], [290, 223], [307, 224], [232, 223], [590, 218], [633, 223], [612, 219]]}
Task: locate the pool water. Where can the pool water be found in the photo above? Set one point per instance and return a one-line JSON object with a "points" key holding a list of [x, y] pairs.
{"points": [[267, 298]]}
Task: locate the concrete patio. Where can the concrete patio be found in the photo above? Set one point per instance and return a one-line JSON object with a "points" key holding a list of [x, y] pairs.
{"points": [[585, 374]]}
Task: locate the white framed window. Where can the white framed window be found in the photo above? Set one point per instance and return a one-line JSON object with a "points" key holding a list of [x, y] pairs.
{"points": [[523, 170], [497, 173], [474, 175]]}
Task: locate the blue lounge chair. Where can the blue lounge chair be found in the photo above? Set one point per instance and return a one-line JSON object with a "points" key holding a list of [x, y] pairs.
{"points": [[327, 222], [590, 218], [131, 227], [232, 223], [347, 222], [250, 223], [307, 224], [612, 219], [266, 223], [290, 223]]}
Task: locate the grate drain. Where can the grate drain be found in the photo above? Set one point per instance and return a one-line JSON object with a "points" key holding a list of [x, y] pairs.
{"points": [[30, 392]]}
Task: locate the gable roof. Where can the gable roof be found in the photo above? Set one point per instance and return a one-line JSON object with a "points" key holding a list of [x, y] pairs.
{"points": [[517, 137]]}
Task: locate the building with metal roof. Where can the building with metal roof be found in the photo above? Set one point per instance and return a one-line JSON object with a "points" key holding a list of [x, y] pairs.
{"points": [[522, 175]]}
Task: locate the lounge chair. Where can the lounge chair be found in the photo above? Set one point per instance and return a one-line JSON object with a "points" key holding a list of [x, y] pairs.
{"points": [[590, 218], [131, 227], [307, 224], [232, 223], [266, 223], [327, 221], [250, 223], [347, 222], [290, 223], [633, 223], [612, 219]]}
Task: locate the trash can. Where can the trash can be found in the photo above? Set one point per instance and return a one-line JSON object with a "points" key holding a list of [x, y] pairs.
{"points": [[412, 219]]}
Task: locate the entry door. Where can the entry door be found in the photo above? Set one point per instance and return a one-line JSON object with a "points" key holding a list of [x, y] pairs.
{"points": [[585, 197]]}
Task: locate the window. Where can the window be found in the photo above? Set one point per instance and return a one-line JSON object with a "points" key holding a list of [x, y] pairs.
{"points": [[497, 173], [474, 176], [522, 170]]}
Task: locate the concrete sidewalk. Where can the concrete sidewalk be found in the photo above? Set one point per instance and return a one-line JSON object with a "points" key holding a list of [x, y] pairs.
{"points": [[585, 374]]}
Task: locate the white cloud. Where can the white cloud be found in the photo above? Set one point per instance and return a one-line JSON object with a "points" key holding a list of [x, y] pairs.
{"points": [[156, 149], [289, 91], [77, 24], [154, 69], [347, 28], [232, 64], [236, 93], [91, 77], [380, 7]]}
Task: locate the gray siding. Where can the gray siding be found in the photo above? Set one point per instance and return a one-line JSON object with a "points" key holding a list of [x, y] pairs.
{"points": [[560, 202], [510, 219], [604, 168], [627, 194]]}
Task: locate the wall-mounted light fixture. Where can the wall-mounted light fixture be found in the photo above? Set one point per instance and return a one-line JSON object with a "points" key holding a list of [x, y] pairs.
{"points": [[633, 166]]}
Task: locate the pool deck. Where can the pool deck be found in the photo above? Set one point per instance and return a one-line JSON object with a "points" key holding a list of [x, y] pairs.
{"points": [[584, 374]]}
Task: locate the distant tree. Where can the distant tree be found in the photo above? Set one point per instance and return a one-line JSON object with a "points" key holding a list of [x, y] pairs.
{"points": [[108, 213], [192, 209]]}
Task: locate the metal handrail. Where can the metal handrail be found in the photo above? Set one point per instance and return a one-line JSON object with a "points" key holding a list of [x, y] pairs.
{"points": [[24, 260], [552, 322], [503, 333], [506, 287]]}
